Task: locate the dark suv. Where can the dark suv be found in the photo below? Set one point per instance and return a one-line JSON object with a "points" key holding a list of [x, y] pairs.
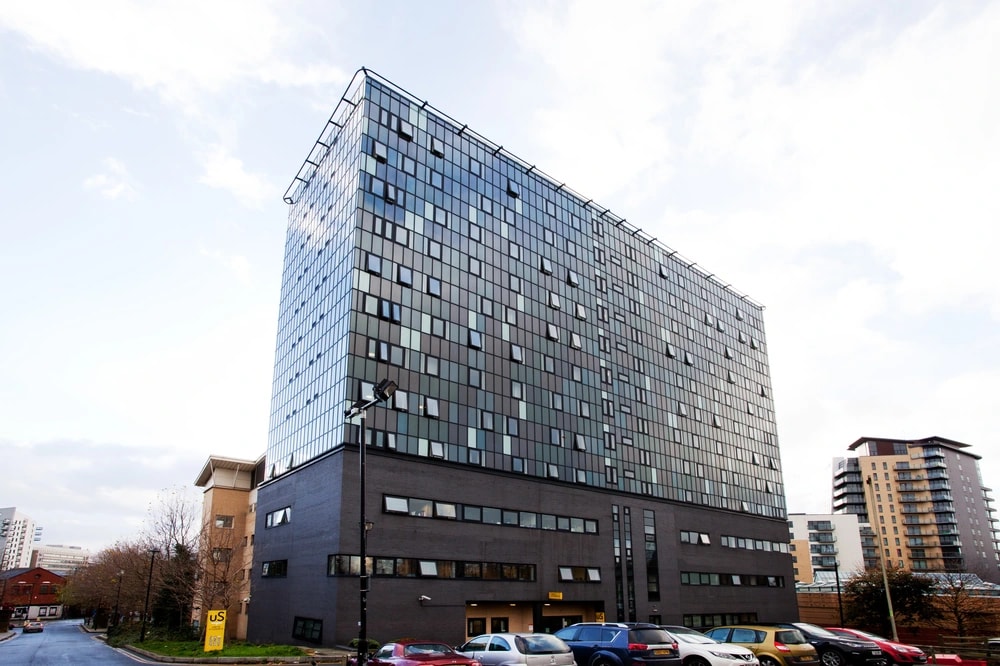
{"points": [[836, 650], [620, 644]]}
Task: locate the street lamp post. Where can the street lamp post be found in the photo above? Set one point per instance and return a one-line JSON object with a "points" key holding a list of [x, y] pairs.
{"points": [[149, 586], [381, 391], [840, 600], [881, 557], [118, 596]]}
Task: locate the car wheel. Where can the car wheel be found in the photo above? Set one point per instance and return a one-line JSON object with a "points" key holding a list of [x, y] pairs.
{"points": [[602, 662], [696, 661], [831, 658], [768, 661]]}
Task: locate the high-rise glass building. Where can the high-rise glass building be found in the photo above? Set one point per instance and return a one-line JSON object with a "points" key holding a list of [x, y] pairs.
{"points": [[583, 427], [925, 502]]}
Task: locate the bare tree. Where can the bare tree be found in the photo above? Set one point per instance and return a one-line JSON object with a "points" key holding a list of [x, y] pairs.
{"points": [[174, 520], [964, 609], [224, 559], [112, 586], [173, 528]]}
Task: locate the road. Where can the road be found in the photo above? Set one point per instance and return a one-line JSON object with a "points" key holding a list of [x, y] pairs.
{"points": [[62, 643]]}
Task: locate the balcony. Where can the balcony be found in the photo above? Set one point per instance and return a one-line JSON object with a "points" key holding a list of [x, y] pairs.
{"points": [[822, 537]]}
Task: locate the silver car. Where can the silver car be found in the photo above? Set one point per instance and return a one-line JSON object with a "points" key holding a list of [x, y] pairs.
{"points": [[518, 649]]}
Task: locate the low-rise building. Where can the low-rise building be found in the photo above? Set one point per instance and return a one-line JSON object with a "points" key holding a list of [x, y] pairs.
{"points": [[30, 594]]}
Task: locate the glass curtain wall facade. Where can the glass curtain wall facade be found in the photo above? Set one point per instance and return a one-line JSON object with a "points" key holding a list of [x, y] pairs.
{"points": [[540, 344]]}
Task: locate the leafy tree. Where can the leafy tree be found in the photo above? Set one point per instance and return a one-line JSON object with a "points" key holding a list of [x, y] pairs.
{"points": [[865, 603]]}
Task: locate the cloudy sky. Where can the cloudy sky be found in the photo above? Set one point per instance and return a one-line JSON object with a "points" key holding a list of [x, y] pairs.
{"points": [[838, 162]]}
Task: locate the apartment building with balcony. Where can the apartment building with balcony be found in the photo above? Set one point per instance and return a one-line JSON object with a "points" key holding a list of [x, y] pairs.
{"points": [[925, 502], [828, 543], [18, 534]]}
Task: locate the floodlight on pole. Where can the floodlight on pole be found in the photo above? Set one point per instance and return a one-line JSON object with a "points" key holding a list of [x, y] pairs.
{"points": [[381, 392], [881, 557]]}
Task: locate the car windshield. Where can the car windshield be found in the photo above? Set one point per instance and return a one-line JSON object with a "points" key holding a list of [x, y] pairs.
{"points": [[540, 644], [790, 637], [414, 649], [817, 630]]}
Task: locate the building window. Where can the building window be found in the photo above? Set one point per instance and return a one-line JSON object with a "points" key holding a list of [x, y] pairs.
{"points": [[432, 365], [222, 554], [224, 522], [546, 266], [572, 279], [579, 574], [279, 517], [308, 629], [434, 286], [404, 276], [516, 354], [274, 569], [431, 408], [475, 339], [374, 264]]}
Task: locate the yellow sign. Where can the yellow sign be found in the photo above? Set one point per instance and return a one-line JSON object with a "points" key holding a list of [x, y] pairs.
{"points": [[599, 616], [215, 630], [555, 596]]}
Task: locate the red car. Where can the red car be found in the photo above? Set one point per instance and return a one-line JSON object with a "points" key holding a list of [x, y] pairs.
{"points": [[413, 652], [895, 653]]}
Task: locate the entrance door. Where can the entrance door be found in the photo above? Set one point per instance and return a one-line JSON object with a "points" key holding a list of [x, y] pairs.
{"points": [[550, 624]]}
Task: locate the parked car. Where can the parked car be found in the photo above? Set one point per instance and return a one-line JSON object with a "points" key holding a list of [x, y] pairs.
{"points": [[836, 650], [413, 652], [697, 649], [33, 627], [896, 653], [518, 649], [620, 644], [774, 646]]}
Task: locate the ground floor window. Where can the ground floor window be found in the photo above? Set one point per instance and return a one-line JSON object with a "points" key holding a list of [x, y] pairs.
{"points": [[308, 629]]}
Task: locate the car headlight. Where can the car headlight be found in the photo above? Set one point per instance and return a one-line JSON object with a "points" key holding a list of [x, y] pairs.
{"points": [[722, 655]]}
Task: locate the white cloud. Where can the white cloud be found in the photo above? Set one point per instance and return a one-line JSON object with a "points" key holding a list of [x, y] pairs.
{"points": [[223, 171], [180, 49], [838, 166], [238, 265], [113, 183]]}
